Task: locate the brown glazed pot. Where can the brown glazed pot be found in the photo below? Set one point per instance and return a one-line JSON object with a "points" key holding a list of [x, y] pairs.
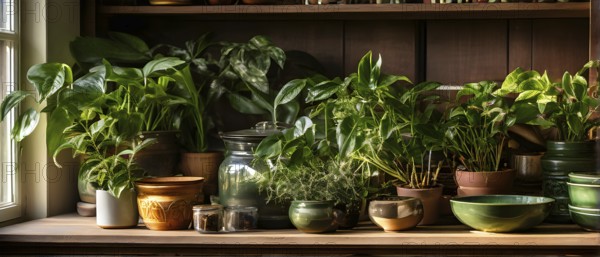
{"points": [[484, 182], [430, 197], [204, 165], [166, 203]]}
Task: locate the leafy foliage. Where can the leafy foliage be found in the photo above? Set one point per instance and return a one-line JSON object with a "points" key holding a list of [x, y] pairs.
{"points": [[478, 127], [567, 105]]}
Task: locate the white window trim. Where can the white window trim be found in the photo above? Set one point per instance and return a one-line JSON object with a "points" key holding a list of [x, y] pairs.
{"points": [[13, 210]]}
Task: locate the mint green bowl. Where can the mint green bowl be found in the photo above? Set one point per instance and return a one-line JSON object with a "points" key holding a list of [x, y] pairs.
{"points": [[587, 221], [584, 195], [501, 213], [590, 178]]}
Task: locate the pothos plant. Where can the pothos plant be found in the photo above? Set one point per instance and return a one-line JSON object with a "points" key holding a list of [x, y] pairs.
{"points": [[318, 153], [406, 136], [101, 111], [567, 105], [478, 127]]}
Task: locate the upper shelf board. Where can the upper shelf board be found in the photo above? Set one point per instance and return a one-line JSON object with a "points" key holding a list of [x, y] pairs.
{"points": [[387, 11]]}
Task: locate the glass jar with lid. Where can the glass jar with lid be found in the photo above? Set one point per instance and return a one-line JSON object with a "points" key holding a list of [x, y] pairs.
{"points": [[208, 218], [238, 174]]}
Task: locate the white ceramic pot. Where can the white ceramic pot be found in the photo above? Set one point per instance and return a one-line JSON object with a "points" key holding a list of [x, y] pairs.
{"points": [[114, 212]]}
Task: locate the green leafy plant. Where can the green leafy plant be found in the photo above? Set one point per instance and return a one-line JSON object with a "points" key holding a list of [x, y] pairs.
{"points": [[567, 105], [478, 127], [303, 171], [406, 136]]}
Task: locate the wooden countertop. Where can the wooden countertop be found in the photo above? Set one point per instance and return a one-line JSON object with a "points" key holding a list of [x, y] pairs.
{"points": [[72, 234]]}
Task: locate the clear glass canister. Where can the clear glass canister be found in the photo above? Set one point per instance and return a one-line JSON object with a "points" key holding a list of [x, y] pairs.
{"points": [[240, 218], [208, 218], [238, 171]]}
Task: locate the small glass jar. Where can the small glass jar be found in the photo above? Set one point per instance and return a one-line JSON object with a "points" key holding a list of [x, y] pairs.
{"points": [[208, 218], [240, 218]]}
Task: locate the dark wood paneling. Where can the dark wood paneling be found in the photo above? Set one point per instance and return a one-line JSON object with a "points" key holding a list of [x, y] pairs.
{"points": [[395, 41], [594, 35], [560, 45], [324, 40], [519, 44], [466, 51]]}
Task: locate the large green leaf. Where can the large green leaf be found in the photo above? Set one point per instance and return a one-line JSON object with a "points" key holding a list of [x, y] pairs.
{"points": [[48, 78], [58, 121], [25, 124], [289, 92], [525, 95], [364, 69], [349, 136], [323, 90], [269, 147], [93, 50], [161, 66], [131, 41], [510, 82], [11, 101]]}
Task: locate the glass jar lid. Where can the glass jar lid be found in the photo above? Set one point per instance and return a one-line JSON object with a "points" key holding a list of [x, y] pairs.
{"points": [[207, 207], [258, 132]]}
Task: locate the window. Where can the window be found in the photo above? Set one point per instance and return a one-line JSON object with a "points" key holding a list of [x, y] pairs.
{"points": [[9, 197]]}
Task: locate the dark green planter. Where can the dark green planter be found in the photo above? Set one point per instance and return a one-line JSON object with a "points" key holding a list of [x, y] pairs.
{"points": [[560, 159], [313, 216]]}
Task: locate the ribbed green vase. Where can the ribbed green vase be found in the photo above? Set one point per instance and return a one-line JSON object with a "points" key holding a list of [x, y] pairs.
{"points": [[560, 159]]}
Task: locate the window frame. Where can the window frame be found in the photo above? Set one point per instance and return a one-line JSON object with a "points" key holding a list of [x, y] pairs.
{"points": [[13, 210]]}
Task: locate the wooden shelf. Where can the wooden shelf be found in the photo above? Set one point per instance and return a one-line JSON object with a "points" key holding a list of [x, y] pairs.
{"points": [[72, 234], [395, 11]]}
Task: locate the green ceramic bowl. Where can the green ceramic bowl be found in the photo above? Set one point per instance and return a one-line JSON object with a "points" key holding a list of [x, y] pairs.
{"points": [[591, 178], [586, 221], [584, 210], [501, 213], [584, 195]]}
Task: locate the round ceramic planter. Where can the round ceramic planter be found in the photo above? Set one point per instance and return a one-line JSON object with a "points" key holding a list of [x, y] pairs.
{"points": [[114, 212], [584, 195], [161, 158], [590, 178], [560, 159], [430, 198], [204, 165], [501, 213], [313, 216], [166, 203], [484, 182], [396, 213]]}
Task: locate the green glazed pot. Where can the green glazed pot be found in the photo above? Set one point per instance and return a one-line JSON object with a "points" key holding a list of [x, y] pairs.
{"points": [[501, 213], [560, 159], [587, 221], [592, 178], [584, 196], [584, 210], [312, 216]]}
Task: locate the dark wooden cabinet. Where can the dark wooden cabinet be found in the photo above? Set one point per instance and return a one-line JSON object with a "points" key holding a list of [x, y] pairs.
{"points": [[449, 43]]}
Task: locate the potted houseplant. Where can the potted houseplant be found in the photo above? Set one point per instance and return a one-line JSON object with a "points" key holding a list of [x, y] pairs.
{"points": [[307, 172], [477, 134], [407, 145], [345, 113], [568, 109]]}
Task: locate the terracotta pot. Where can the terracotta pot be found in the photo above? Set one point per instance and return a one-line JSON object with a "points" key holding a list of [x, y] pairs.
{"points": [[484, 182], [204, 165], [166, 203], [430, 197], [161, 158]]}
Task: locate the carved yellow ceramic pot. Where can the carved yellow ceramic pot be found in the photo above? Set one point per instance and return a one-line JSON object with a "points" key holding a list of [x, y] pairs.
{"points": [[166, 203]]}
